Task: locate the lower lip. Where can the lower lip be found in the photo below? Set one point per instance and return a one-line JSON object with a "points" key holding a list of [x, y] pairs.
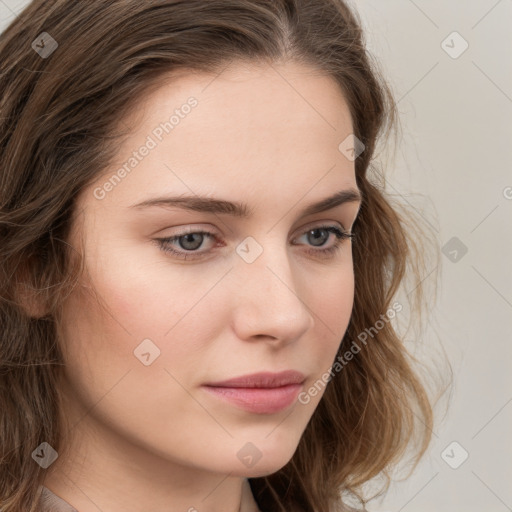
{"points": [[259, 400]]}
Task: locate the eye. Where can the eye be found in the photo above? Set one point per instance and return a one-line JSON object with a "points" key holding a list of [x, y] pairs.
{"points": [[313, 234], [190, 241]]}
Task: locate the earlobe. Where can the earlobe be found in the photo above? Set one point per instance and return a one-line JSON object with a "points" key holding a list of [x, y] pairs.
{"points": [[29, 299]]}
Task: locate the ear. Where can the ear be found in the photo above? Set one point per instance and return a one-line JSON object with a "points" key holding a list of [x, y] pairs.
{"points": [[27, 295]]}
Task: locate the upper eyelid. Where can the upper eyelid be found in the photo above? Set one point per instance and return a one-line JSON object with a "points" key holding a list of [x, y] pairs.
{"points": [[191, 228]]}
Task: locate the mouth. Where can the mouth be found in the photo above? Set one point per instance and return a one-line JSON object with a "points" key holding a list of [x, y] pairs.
{"points": [[261, 393]]}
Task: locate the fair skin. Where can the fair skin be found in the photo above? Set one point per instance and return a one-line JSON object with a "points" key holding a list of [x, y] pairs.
{"points": [[150, 437]]}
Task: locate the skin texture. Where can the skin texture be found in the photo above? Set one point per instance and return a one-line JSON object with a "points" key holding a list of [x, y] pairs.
{"points": [[149, 437]]}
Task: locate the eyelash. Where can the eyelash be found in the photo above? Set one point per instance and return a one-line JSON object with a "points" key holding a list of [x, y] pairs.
{"points": [[340, 237]]}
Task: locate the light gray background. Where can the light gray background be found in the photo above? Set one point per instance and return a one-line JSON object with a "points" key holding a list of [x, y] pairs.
{"points": [[454, 166]]}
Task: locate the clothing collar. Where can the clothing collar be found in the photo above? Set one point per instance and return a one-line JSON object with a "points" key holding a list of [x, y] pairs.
{"points": [[50, 502]]}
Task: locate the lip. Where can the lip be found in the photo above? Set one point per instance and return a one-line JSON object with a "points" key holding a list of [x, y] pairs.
{"points": [[262, 393], [262, 380]]}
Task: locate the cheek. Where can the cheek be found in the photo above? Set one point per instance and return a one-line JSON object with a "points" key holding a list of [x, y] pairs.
{"points": [[147, 294], [103, 373], [335, 300], [332, 308], [141, 302], [95, 341], [102, 320]]}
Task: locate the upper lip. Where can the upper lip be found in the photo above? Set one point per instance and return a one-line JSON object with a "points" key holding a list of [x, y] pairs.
{"points": [[262, 380]]}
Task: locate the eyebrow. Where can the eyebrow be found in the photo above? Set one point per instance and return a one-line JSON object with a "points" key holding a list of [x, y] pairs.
{"points": [[237, 209]]}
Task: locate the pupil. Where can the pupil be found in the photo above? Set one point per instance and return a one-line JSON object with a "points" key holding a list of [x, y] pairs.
{"points": [[316, 231], [188, 240]]}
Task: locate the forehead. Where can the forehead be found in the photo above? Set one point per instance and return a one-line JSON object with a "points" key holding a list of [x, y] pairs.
{"points": [[288, 90], [256, 127]]}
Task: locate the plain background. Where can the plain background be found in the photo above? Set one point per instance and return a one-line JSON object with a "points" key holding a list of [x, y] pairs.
{"points": [[454, 166]]}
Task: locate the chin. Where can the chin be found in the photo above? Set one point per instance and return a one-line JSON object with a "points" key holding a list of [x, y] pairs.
{"points": [[261, 473], [270, 462]]}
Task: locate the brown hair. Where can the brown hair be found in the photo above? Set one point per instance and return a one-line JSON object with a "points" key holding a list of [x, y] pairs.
{"points": [[58, 131]]}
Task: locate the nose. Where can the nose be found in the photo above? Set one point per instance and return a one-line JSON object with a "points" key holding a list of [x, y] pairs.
{"points": [[268, 305]]}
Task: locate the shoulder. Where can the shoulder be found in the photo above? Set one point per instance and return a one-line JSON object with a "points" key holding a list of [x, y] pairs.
{"points": [[50, 502]]}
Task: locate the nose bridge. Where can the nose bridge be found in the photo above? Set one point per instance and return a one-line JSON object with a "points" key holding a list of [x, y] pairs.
{"points": [[270, 302]]}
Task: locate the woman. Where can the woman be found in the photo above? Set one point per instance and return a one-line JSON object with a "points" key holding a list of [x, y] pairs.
{"points": [[198, 271]]}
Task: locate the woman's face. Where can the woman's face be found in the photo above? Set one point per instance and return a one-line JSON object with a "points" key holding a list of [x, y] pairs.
{"points": [[256, 294]]}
